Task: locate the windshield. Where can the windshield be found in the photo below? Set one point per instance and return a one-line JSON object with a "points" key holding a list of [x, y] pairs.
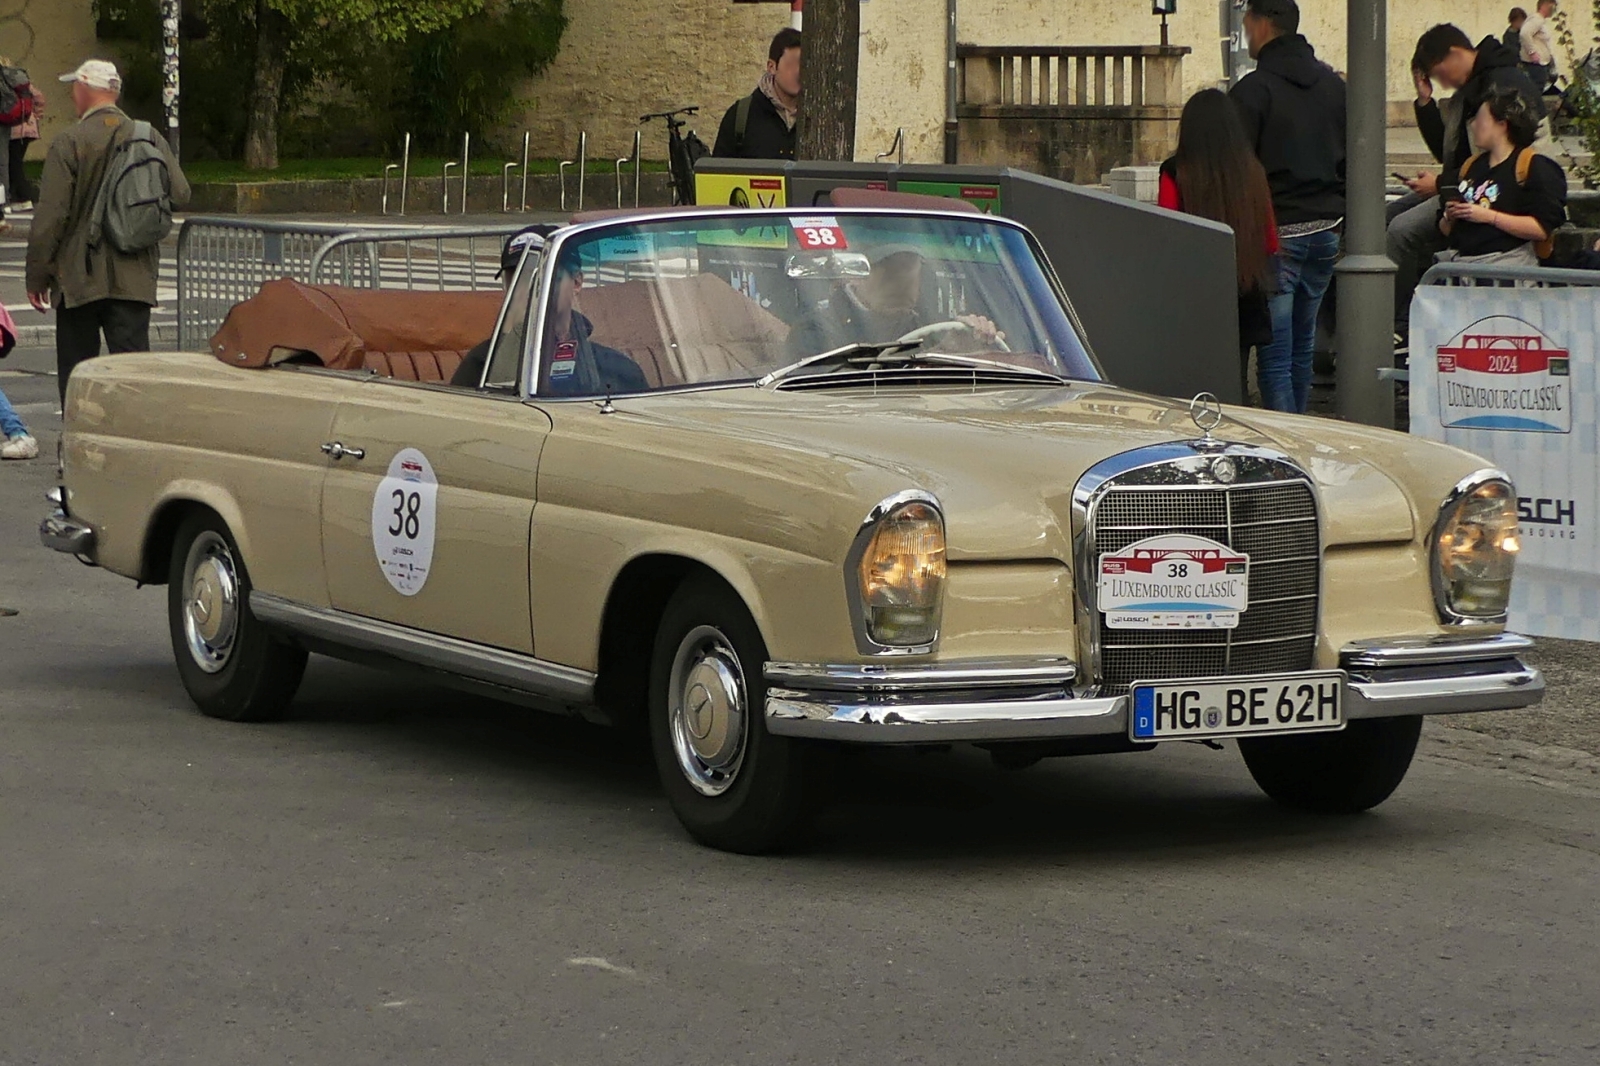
{"points": [[718, 299]]}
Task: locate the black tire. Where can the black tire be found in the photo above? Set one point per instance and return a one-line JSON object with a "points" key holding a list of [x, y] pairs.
{"points": [[750, 795], [236, 669], [1335, 773]]}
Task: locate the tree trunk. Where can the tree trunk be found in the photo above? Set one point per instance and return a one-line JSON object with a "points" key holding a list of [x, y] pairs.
{"points": [[828, 80], [266, 88]]}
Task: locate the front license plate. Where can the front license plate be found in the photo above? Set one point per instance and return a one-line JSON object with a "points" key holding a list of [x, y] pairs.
{"points": [[1238, 706]]}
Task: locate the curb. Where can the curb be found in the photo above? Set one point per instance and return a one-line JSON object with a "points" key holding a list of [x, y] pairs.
{"points": [[45, 336]]}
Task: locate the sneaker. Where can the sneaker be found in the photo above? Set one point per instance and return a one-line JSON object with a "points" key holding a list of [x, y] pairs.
{"points": [[22, 446]]}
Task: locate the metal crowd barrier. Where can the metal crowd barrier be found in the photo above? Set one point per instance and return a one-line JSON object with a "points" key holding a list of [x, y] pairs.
{"points": [[1487, 274], [223, 261]]}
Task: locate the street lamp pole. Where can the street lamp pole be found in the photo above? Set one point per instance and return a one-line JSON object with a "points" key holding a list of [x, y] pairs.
{"points": [[1365, 274], [171, 18]]}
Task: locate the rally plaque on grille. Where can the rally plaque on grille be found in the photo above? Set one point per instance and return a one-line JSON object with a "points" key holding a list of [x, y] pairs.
{"points": [[1174, 581], [1271, 528]]}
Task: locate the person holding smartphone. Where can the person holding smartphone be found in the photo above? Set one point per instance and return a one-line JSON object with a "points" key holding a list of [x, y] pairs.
{"points": [[1508, 199]]}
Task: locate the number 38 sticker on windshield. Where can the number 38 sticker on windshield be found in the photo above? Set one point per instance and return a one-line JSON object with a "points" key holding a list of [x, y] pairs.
{"points": [[819, 233], [403, 512]]}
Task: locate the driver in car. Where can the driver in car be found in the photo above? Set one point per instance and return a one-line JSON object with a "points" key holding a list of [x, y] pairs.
{"points": [[572, 364], [884, 306]]}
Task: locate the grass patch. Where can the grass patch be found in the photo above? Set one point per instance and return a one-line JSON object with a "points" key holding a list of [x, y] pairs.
{"points": [[223, 170]]}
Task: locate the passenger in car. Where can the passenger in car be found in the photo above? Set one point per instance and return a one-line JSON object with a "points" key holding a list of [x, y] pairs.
{"points": [[884, 306], [470, 372], [571, 363]]}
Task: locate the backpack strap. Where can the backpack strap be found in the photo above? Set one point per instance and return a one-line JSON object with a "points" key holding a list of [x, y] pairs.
{"points": [[741, 119], [1471, 159], [1525, 164]]}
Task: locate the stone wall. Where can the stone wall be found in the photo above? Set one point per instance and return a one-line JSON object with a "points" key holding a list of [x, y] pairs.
{"points": [[623, 58], [48, 38]]}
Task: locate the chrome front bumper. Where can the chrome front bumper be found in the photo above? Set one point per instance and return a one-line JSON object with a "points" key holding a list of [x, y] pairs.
{"points": [[66, 534], [1034, 700]]}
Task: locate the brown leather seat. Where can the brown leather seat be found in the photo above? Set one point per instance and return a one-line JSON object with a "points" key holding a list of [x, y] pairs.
{"points": [[411, 336], [685, 330]]}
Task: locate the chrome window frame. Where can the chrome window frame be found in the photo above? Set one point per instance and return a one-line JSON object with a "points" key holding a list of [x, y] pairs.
{"points": [[556, 243], [1122, 472], [1448, 615], [865, 643]]}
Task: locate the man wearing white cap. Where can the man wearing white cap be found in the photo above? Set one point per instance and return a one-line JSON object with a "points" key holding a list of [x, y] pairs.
{"points": [[95, 287]]}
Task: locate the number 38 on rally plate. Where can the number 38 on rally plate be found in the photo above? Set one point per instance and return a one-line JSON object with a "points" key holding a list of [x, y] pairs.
{"points": [[1174, 581]]}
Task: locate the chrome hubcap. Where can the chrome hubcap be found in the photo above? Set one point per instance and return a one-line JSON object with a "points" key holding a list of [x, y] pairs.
{"points": [[709, 710], [210, 602]]}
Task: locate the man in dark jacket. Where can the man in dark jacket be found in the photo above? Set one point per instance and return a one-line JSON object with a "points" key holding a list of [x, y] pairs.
{"points": [[1293, 109], [1445, 54], [761, 125]]}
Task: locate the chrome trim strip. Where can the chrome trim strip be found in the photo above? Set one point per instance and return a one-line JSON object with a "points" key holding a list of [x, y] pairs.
{"points": [[1423, 650], [885, 677], [793, 714], [494, 666], [1508, 691], [60, 533], [1447, 614], [865, 644]]}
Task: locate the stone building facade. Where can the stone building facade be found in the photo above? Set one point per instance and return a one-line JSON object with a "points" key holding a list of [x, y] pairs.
{"points": [[48, 38]]}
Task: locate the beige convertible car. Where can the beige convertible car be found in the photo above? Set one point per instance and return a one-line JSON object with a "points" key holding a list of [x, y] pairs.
{"points": [[768, 483]]}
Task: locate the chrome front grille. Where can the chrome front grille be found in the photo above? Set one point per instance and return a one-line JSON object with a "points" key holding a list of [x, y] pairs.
{"points": [[1275, 524]]}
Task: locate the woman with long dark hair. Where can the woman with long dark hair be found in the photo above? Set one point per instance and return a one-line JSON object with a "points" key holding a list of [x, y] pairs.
{"points": [[1215, 174]]}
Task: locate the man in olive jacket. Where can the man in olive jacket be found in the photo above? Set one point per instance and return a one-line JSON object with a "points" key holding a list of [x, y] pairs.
{"points": [[94, 290]]}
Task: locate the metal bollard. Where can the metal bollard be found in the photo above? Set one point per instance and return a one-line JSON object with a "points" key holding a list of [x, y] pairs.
{"points": [[897, 146], [446, 206], [505, 187], [638, 148], [383, 206], [466, 171], [525, 136], [583, 156], [405, 171], [561, 172], [621, 161]]}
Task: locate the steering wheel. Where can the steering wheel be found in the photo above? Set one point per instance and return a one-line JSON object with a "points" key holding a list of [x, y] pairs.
{"points": [[934, 329]]}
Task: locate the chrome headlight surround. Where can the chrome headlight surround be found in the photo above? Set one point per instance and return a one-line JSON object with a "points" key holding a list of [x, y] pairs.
{"points": [[1473, 548], [885, 597]]}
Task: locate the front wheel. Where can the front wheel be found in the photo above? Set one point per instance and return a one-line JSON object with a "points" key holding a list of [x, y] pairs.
{"points": [[1346, 772], [732, 784], [232, 666]]}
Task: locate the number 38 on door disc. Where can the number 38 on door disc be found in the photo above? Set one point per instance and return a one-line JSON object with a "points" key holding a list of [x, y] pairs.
{"points": [[404, 509], [1242, 706]]}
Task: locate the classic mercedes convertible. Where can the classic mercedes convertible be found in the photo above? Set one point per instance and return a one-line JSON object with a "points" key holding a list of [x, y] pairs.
{"points": [[765, 483]]}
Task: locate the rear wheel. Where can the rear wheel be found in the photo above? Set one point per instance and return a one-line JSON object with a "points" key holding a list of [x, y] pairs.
{"points": [[232, 667], [1352, 770], [732, 784]]}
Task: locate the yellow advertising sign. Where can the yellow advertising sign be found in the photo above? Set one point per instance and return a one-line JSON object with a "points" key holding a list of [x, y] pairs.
{"points": [[739, 190]]}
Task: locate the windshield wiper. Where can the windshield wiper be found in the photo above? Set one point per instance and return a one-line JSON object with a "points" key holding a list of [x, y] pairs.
{"points": [[891, 355]]}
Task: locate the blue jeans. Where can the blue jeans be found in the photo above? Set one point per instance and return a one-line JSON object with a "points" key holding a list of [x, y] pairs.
{"points": [[10, 424], [1283, 368]]}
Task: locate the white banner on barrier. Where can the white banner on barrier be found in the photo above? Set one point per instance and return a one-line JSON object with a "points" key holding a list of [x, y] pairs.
{"points": [[1512, 374]]}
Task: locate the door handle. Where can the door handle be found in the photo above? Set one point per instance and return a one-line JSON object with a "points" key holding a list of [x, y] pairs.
{"points": [[336, 450]]}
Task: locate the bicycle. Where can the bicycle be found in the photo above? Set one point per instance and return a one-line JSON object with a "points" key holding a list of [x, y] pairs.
{"points": [[683, 151]]}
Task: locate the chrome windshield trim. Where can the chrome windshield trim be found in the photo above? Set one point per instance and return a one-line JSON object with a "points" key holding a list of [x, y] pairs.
{"points": [[1381, 652], [494, 666], [897, 677], [1441, 598]]}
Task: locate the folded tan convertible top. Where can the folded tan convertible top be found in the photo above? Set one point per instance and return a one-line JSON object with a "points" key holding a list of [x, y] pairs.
{"points": [[341, 326]]}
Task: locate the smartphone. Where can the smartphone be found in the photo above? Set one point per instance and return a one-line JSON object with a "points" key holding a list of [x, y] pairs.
{"points": [[1397, 176], [1449, 194]]}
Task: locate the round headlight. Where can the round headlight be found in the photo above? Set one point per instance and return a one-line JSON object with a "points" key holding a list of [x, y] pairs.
{"points": [[901, 576], [1474, 550]]}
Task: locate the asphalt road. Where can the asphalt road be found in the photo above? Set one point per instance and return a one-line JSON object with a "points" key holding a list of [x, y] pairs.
{"points": [[402, 875]]}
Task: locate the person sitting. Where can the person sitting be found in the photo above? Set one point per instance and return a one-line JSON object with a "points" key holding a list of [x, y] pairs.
{"points": [[470, 372], [1509, 199], [571, 364], [884, 306]]}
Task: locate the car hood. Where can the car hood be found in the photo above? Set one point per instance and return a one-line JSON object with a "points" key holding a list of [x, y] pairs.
{"points": [[1004, 462]]}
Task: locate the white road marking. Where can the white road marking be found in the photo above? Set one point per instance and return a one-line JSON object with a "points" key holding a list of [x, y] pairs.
{"points": [[603, 964]]}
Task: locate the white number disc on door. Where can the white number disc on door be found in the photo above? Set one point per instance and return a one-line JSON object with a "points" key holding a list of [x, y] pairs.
{"points": [[403, 513]]}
